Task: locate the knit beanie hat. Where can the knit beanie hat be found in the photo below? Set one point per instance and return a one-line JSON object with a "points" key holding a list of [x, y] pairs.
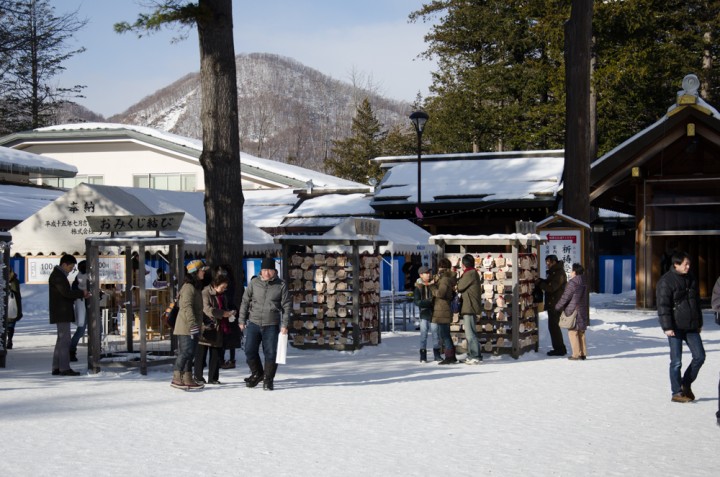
{"points": [[195, 265], [267, 264]]}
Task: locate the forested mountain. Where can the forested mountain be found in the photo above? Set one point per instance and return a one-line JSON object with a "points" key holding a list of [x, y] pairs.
{"points": [[288, 112]]}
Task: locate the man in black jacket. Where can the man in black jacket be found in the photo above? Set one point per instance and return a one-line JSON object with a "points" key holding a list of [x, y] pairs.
{"points": [[681, 319]]}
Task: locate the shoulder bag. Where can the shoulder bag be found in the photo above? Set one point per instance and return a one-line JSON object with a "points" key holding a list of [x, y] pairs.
{"points": [[568, 321]]}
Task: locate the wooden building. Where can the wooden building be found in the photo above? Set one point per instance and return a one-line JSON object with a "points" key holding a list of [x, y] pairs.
{"points": [[668, 177]]}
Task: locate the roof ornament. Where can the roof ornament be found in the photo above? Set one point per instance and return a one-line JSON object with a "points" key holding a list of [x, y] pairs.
{"points": [[309, 184], [689, 93]]}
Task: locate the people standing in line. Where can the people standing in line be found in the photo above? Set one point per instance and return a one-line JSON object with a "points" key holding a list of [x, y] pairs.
{"points": [[187, 325], [469, 287], [14, 287], [80, 283], [216, 311], [442, 314], [422, 296], [264, 314], [232, 336], [554, 286], [575, 297], [62, 312], [680, 316]]}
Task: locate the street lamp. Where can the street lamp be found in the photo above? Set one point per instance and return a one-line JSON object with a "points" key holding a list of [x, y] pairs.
{"points": [[419, 118]]}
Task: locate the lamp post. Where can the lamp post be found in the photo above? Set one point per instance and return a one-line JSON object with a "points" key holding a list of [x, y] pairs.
{"points": [[419, 118]]}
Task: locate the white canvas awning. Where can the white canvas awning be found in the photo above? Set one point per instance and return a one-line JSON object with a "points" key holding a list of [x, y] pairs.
{"points": [[395, 236], [61, 226]]}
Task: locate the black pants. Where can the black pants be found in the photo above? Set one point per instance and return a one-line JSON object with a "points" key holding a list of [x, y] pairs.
{"points": [[213, 365], [556, 336]]}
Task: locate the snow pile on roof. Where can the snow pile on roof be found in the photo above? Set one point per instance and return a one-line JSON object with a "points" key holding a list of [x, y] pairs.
{"points": [[17, 202], [21, 162], [480, 180]]}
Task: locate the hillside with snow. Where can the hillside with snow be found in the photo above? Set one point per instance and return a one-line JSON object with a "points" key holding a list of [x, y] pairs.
{"points": [[286, 109]]}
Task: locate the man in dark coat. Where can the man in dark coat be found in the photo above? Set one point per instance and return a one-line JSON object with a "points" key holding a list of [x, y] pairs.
{"points": [[680, 316], [554, 286], [62, 312]]}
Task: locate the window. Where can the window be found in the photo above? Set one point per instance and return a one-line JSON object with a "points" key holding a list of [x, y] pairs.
{"points": [[70, 182], [179, 181]]}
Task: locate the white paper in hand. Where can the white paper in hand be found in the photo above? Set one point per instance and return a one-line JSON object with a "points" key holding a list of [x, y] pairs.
{"points": [[281, 355]]}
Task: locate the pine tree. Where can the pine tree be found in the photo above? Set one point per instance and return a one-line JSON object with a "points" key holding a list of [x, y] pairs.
{"points": [[34, 50], [351, 155]]}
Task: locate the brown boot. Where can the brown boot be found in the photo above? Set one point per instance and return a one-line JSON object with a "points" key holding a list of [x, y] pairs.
{"points": [[177, 380], [190, 383]]}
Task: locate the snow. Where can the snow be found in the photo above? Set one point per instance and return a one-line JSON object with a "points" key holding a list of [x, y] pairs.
{"points": [[492, 179], [377, 411], [17, 161]]}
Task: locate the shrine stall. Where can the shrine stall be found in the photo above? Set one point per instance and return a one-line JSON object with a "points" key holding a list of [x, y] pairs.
{"points": [[508, 266], [138, 319], [334, 282]]}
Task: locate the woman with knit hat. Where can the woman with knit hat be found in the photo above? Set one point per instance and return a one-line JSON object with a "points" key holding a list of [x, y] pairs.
{"points": [[187, 325], [442, 314]]}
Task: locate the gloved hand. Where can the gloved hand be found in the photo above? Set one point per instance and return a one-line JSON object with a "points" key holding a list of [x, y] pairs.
{"points": [[232, 317]]}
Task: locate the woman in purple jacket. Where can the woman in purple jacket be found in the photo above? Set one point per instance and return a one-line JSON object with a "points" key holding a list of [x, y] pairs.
{"points": [[575, 297]]}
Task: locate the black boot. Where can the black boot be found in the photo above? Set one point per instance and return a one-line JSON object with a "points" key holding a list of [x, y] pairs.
{"points": [[437, 355], [11, 332], [423, 356], [270, 369], [73, 354], [449, 357], [256, 373]]}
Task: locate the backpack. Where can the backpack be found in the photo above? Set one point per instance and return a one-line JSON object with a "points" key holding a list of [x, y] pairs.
{"points": [[170, 314]]}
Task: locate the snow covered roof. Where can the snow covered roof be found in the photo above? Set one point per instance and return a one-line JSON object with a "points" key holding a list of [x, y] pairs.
{"points": [[282, 174], [328, 210], [17, 202], [267, 208], [61, 226], [26, 163], [481, 177]]}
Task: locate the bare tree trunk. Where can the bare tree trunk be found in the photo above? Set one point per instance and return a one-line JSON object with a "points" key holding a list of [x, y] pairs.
{"points": [[579, 148], [220, 157], [576, 177]]}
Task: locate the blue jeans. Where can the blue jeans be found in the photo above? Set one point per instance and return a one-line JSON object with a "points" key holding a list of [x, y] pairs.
{"points": [[426, 325], [267, 335], [186, 345], [444, 331], [694, 342], [79, 333], [473, 345]]}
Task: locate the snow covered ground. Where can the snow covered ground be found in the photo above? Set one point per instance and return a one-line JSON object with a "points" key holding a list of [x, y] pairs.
{"points": [[377, 411]]}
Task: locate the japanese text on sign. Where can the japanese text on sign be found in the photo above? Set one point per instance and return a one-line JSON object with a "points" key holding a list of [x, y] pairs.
{"points": [[565, 244]]}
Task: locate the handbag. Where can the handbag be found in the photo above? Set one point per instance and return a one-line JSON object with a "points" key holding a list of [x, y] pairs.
{"points": [[12, 307], [568, 321], [80, 311]]}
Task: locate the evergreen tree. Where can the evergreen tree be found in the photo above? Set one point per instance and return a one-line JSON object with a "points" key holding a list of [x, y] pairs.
{"points": [[34, 47], [220, 157], [351, 155], [501, 80]]}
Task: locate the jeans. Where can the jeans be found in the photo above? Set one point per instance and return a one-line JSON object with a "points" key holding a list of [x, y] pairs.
{"points": [[186, 345], [473, 345], [444, 332], [426, 325], [694, 342], [267, 335], [79, 333]]}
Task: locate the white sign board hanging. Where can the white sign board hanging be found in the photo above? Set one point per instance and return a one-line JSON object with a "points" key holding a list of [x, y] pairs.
{"points": [[38, 269], [566, 244]]}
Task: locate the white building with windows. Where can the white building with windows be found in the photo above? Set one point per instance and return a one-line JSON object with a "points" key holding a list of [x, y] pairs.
{"points": [[135, 156]]}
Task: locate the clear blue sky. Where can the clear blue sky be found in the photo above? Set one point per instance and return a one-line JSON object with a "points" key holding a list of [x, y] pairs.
{"points": [[337, 37]]}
